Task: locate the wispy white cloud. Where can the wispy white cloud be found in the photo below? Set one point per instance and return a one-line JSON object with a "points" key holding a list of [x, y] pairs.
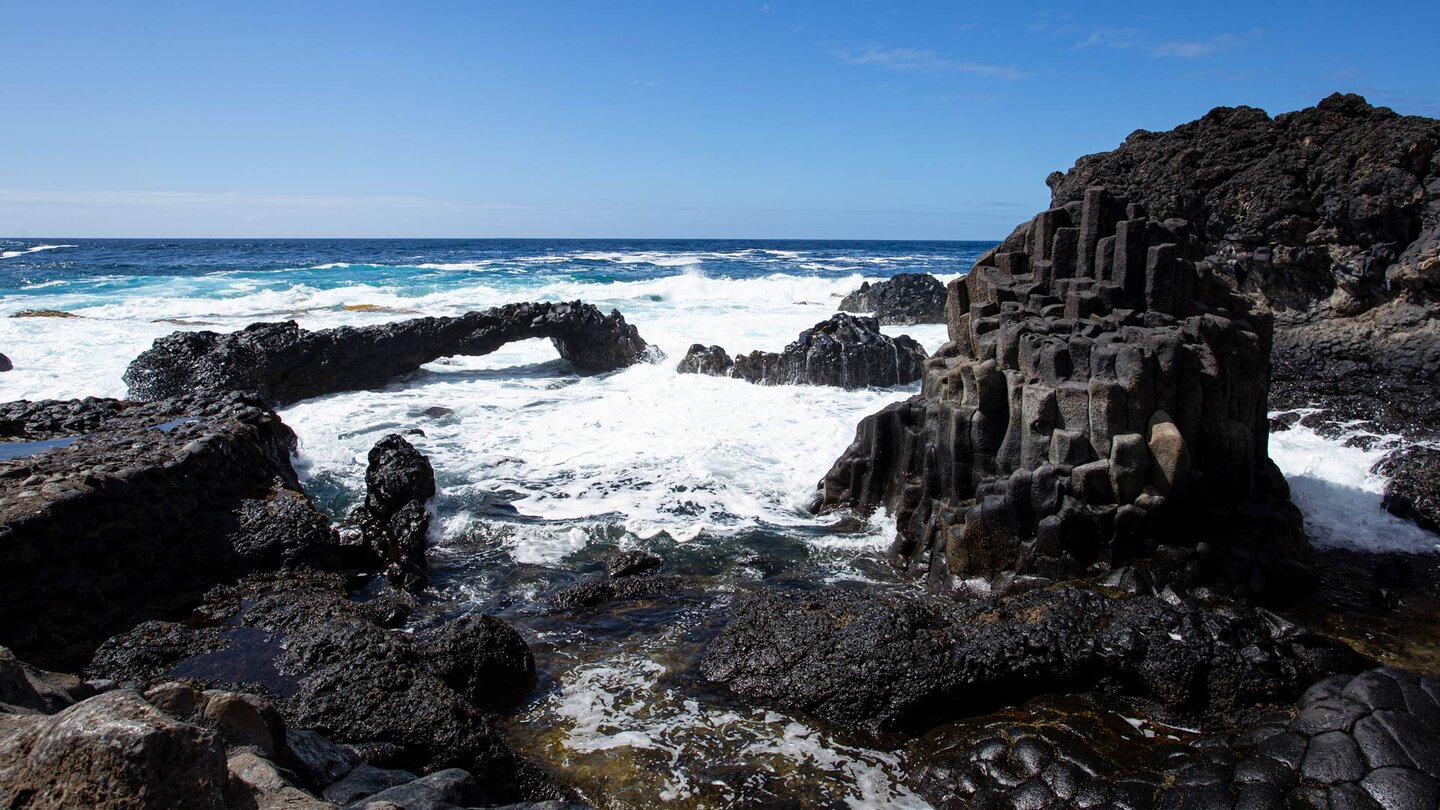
{"points": [[1199, 48], [913, 60]]}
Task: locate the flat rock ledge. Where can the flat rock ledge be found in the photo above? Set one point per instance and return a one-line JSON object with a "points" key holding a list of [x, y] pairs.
{"points": [[1101, 403], [114, 511], [845, 351], [285, 363], [903, 299]]}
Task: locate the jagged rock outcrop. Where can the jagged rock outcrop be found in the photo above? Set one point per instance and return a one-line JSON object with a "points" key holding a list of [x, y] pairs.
{"points": [[1101, 402], [1413, 489], [903, 299], [114, 511], [876, 663], [328, 666], [845, 351], [1367, 741], [1329, 216], [5, 364], [285, 363], [393, 522]]}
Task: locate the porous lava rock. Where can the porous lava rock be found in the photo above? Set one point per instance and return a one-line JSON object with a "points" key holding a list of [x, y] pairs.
{"points": [[114, 511], [329, 667], [1101, 402], [393, 521], [285, 363], [903, 299], [845, 351], [878, 663], [1412, 490]]}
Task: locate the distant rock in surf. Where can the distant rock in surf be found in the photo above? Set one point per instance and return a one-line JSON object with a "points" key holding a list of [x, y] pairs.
{"points": [[5, 364], [845, 351], [904, 299], [285, 363]]}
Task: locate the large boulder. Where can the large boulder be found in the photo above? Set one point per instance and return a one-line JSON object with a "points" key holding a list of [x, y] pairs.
{"points": [[1101, 403], [337, 672], [285, 363], [876, 663], [846, 351], [111, 752], [903, 299], [114, 511], [393, 521], [1413, 489]]}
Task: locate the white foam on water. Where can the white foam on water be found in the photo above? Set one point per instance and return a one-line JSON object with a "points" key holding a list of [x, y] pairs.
{"points": [[10, 254], [1335, 488], [621, 705]]}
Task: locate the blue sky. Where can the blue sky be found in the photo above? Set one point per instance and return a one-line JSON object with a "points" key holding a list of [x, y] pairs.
{"points": [[631, 119]]}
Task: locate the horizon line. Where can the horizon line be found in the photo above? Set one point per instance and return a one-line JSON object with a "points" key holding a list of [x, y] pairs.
{"points": [[511, 238]]}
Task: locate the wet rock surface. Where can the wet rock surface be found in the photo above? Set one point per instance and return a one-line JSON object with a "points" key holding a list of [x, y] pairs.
{"points": [[877, 664], [393, 521], [5, 364], [329, 667], [902, 300], [1101, 403], [845, 351], [1413, 489], [285, 363], [114, 511], [1367, 741]]}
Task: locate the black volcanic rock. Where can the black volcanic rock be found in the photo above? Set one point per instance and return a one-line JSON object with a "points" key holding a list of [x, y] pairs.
{"points": [[330, 668], [393, 521], [845, 351], [903, 299], [877, 663], [1413, 489], [1101, 403], [285, 363], [5, 364], [124, 510]]}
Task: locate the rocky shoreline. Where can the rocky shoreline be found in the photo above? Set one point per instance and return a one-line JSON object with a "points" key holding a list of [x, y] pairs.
{"points": [[1116, 601]]}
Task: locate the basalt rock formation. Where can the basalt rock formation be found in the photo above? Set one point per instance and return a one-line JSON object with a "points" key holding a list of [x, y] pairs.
{"points": [[1367, 741], [114, 511], [845, 351], [392, 523], [1330, 217], [285, 363], [5, 364], [902, 299], [416, 703], [1101, 403]]}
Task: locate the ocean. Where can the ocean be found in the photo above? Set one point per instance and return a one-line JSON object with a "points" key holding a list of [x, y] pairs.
{"points": [[543, 472]]}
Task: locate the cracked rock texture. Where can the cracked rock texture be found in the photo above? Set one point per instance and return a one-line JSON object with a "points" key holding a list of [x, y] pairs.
{"points": [[902, 300], [845, 351]]}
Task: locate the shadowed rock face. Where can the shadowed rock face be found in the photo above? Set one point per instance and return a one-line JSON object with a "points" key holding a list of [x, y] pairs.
{"points": [[1101, 402], [902, 300], [285, 363], [846, 351], [124, 509]]}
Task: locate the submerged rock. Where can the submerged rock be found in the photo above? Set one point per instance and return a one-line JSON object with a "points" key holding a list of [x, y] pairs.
{"points": [[123, 510], [877, 663], [285, 363], [844, 351], [333, 670], [903, 299]]}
